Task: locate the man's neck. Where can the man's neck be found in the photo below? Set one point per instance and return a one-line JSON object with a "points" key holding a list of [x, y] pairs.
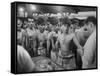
{"points": [[94, 28], [64, 33]]}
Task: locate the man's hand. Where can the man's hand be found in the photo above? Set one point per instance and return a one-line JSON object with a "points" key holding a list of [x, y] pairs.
{"points": [[80, 51]]}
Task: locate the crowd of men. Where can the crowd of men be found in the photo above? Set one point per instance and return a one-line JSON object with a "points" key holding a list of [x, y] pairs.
{"points": [[68, 43]]}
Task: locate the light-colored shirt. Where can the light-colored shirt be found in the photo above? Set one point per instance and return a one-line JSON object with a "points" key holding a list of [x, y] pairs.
{"points": [[25, 63], [89, 57]]}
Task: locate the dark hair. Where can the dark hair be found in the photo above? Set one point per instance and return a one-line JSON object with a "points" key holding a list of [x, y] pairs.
{"points": [[65, 21], [40, 21], [53, 20], [74, 21], [91, 19]]}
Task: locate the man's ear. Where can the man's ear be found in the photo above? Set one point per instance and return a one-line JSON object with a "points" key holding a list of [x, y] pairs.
{"points": [[91, 24]]}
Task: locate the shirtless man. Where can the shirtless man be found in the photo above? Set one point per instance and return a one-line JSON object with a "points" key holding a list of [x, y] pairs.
{"points": [[51, 41], [42, 42], [20, 32], [31, 40], [63, 43]]}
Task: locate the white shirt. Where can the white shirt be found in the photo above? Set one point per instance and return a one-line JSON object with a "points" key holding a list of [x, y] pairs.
{"points": [[25, 63], [89, 58]]}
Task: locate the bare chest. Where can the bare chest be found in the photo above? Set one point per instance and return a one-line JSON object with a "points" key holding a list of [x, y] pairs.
{"points": [[65, 40]]}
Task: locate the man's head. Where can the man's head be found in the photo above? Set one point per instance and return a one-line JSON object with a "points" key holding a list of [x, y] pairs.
{"points": [[75, 22], [91, 23], [65, 24], [19, 23], [25, 24], [63, 29]]}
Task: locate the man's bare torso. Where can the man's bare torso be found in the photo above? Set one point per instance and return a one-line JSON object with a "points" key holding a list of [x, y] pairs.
{"points": [[65, 43]]}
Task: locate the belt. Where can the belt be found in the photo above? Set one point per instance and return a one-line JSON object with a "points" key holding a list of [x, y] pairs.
{"points": [[41, 49], [67, 56]]}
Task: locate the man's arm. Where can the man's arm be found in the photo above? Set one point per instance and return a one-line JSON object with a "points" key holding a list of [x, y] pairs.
{"points": [[57, 45], [53, 45], [48, 44], [80, 48]]}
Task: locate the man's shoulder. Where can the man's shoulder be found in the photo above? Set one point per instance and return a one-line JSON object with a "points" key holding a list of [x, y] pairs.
{"points": [[72, 34], [20, 49], [79, 30]]}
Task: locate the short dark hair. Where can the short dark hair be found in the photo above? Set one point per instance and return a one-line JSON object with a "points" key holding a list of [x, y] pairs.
{"points": [[65, 21], [74, 21], [91, 19]]}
